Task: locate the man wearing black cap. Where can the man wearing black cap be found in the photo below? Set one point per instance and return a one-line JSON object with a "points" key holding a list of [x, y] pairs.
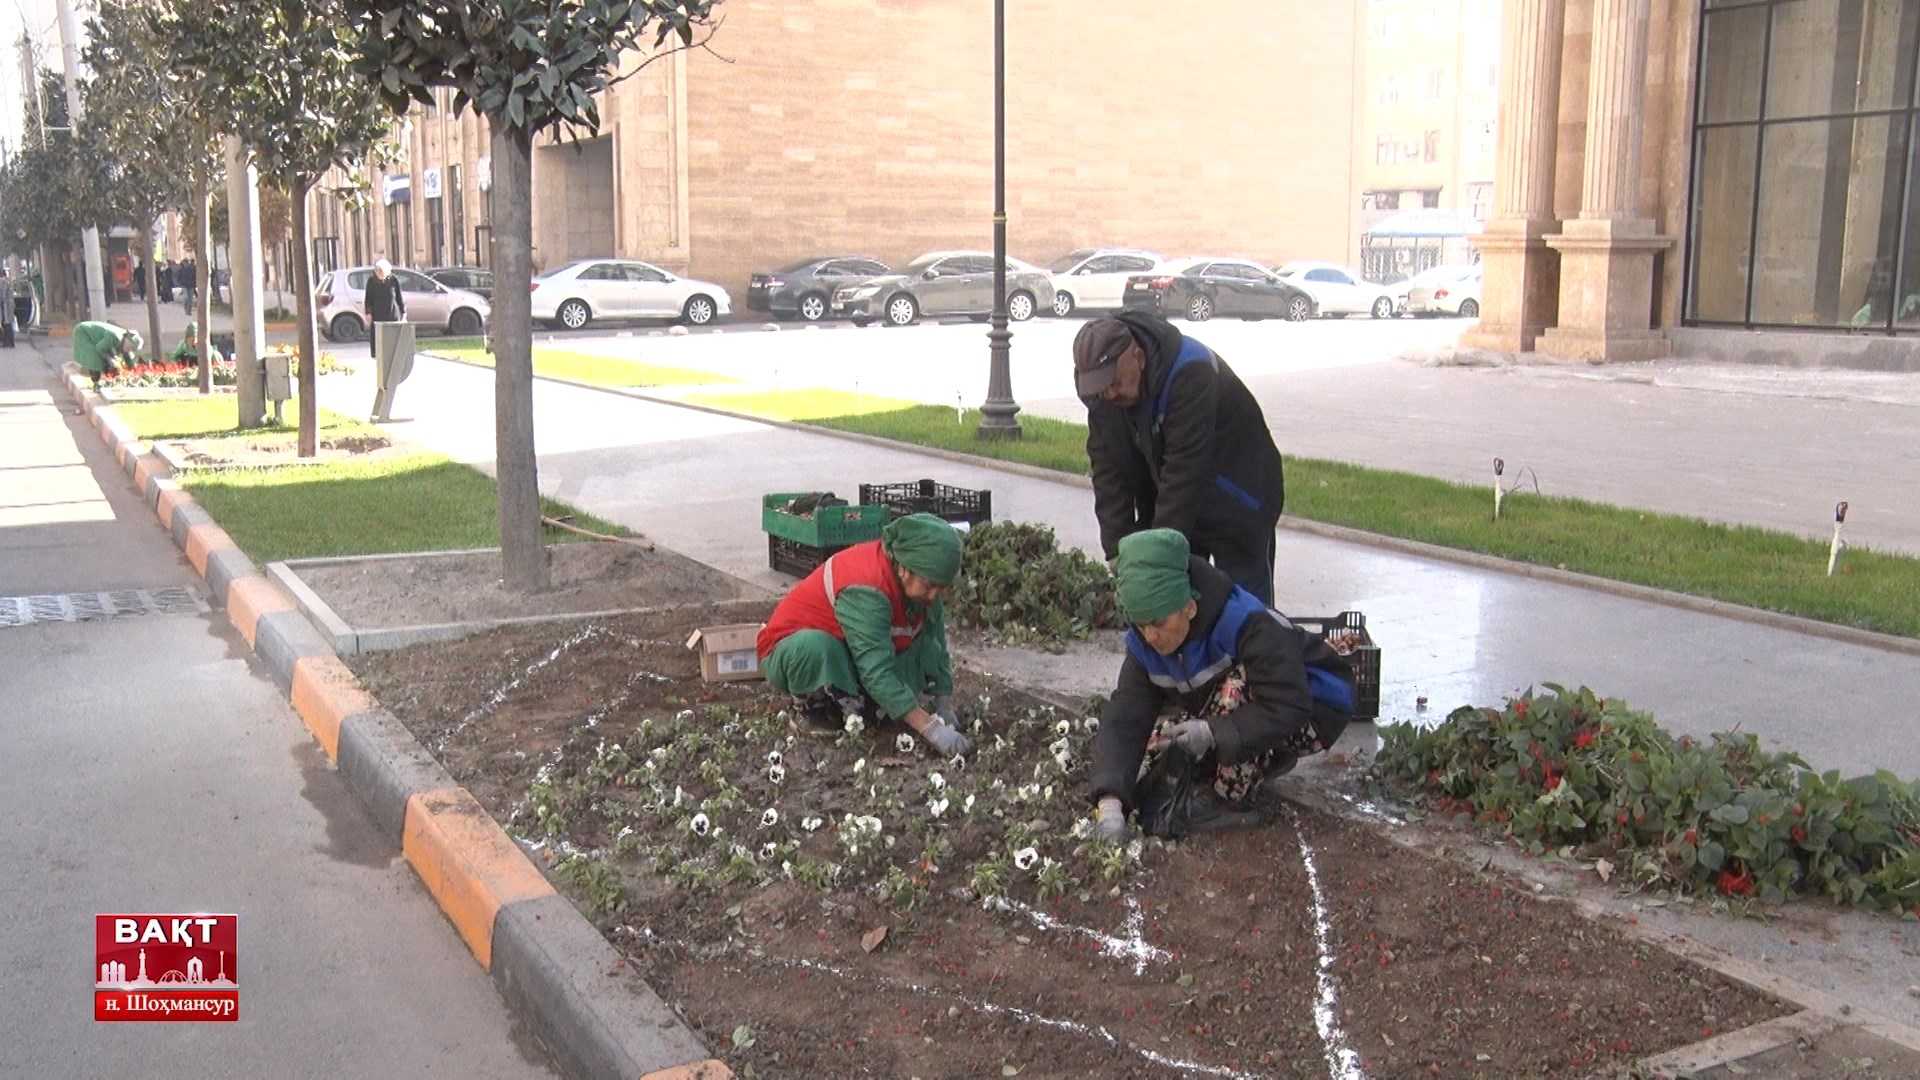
{"points": [[1176, 442]]}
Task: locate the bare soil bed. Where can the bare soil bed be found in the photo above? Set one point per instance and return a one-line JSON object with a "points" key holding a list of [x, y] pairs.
{"points": [[747, 866], [426, 589]]}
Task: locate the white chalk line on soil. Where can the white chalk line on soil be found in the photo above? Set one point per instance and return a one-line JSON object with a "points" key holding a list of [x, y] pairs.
{"points": [[499, 695], [1342, 1062], [1098, 1034], [1133, 947]]}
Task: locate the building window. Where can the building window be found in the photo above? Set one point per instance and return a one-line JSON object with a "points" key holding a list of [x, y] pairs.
{"points": [[1430, 198], [457, 205], [1807, 166], [436, 233]]}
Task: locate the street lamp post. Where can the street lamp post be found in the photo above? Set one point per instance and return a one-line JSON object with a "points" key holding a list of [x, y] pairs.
{"points": [[999, 415]]}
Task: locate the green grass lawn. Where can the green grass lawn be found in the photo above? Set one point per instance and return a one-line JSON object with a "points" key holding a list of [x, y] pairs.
{"points": [[1756, 567], [213, 416], [585, 367], [419, 502]]}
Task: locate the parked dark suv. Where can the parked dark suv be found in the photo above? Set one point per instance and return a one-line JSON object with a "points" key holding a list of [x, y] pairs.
{"points": [[804, 290]]}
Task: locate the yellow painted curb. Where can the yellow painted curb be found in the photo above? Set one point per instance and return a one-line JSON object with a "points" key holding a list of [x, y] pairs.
{"points": [[468, 863], [249, 598], [202, 539], [698, 1070], [325, 693], [171, 499]]}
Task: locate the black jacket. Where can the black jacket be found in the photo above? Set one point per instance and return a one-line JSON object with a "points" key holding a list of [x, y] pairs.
{"points": [[1275, 656], [384, 301], [1207, 467]]}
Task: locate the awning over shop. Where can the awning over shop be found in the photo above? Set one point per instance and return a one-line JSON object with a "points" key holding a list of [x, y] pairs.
{"points": [[1425, 224]]}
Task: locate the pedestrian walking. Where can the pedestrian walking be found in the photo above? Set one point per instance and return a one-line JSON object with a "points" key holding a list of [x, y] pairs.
{"points": [[101, 348], [1176, 441], [1215, 677], [163, 281], [6, 310], [384, 301]]}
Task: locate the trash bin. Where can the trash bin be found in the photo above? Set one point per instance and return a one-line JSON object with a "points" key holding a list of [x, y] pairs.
{"points": [[393, 358], [277, 366]]}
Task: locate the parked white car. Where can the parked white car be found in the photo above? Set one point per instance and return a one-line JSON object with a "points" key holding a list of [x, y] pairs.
{"points": [[1446, 290], [582, 291], [340, 310], [1096, 278], [1337, 291]]}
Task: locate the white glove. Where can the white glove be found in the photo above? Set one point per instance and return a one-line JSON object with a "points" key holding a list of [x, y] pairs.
{"points": [[944, 709], [945, 738], [1193, 736], [1110, 820]]}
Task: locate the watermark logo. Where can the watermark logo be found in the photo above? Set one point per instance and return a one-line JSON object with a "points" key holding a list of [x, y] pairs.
{"points": [[166, 967]]}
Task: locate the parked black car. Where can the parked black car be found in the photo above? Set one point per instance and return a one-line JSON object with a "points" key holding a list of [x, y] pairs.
{"points": [[1199, 289], [471, 278], [804, 290]]}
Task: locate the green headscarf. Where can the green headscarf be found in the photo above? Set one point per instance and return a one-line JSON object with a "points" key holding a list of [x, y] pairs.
{"points": [[1151, 580], [925, 545]]}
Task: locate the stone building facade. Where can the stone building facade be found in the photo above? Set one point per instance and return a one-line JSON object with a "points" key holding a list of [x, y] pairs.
{"points": [[843, 126], [1718, 177]]}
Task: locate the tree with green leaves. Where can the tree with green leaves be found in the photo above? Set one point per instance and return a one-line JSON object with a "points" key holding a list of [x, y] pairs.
{"points": [[59, 183], [529, 66], [139, 108], [279, 74]]}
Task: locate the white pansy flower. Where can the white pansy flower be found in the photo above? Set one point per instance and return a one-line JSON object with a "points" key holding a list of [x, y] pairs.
{"points": [[1063, 727], [679, 795], [1025, 858], [937, 807], [624, 833], [958, 764], [768, 850], [937, 781], [904, 743], [683, 716], [777, 773], [769, 819], [858, 766], [786, 869], [967, 807], [700, 825], [855, 724], [773, 757], [811, 823], [1092, 724], [1046, 795]]}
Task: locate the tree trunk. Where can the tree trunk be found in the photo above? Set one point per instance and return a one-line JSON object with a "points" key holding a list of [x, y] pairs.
{"points": [[203, 256], [523, 555], [153, 292], [243, 240], [309, 351]]}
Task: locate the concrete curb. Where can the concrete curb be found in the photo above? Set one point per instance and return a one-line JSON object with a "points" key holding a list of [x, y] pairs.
{"points": [[547, 961], [1699, 604]]}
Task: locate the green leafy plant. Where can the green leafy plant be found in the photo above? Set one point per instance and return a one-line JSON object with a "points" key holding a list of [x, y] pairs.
{"points": [[1020, 586], [1572, 769], [596, 880]]}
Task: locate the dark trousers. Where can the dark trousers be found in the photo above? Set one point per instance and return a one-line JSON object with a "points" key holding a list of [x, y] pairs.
{"points": [[6, 329], [1245, 557]]}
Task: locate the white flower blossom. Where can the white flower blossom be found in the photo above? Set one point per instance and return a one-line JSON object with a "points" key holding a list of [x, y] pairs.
{"points": [[624, 833], [1134, 849], [769, 819], [958, 764], [937, 807], [967, 807], [1060, 746], [1046, 795], [811, 823], [683, 716], [1025, 858], [937, 781], [859, 766], [1063, 727], [1092, 724], [700, 825], [904, 743], [768, 850], [679, 795], [855, 723], [1027, 792], [777, 773], [773, 757], [786, 869], [1082, 828]]}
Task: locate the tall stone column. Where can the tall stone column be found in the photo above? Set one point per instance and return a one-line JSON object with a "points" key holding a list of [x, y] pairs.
{"points": [[1607, 253], [1520, 286]]}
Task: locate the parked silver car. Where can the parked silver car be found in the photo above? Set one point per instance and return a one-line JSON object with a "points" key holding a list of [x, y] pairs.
{"points": [[945, 283], [340, 311]]}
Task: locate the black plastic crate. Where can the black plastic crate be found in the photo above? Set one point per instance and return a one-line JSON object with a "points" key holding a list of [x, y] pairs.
{"points": [[1365, 658], [961, 506], [795, 559]]}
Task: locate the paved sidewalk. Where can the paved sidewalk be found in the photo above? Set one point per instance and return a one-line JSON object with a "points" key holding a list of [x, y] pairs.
{"points": [[1455, 635], [144, 766]]}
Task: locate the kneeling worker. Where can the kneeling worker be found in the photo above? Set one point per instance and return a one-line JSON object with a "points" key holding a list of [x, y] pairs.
{"points": [[866, 632], [1256, 690], [101, 348]]}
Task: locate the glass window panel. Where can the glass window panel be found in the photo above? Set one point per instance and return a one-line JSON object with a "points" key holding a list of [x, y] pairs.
{"points": [[1839, 56], [1736, 47], [1722, 224], [1908, 316], [1828, 221]]}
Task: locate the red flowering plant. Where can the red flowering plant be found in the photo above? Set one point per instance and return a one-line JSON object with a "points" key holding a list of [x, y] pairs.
{"points": [[1573, 771]]}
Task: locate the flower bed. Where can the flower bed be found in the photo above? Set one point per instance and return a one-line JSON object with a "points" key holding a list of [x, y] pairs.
{"points": [[168, 374], [1574, 770]]}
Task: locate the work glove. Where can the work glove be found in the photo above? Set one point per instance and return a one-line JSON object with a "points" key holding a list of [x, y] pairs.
{"points": [[945, 738], [1193, 736], [1110, 820], [944, 709]]}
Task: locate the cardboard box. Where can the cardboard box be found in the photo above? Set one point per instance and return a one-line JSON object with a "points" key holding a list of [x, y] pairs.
{"points": [[727, 653]]}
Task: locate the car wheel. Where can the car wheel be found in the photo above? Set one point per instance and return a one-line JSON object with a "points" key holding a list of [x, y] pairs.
{"points": [[575, 314], [1299, 309], [1020, 306], [346, 328], [465, 323], [699, 310], [1062, 304], [1383, 308], [901, 310], [813, 307], [1199, 309], [1469, 309]]}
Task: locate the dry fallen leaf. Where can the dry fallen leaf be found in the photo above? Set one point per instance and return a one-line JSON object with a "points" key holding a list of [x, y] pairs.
{"points": [[1604, 869], [871, 939]]}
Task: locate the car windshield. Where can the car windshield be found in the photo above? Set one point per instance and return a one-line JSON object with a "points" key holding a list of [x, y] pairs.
{"points": [[922, 263], [1068, 261], [561, 269], [803, 264]]}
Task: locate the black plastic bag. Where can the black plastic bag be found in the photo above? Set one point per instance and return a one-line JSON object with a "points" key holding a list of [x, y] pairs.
{"points": [[1164, 796]]}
